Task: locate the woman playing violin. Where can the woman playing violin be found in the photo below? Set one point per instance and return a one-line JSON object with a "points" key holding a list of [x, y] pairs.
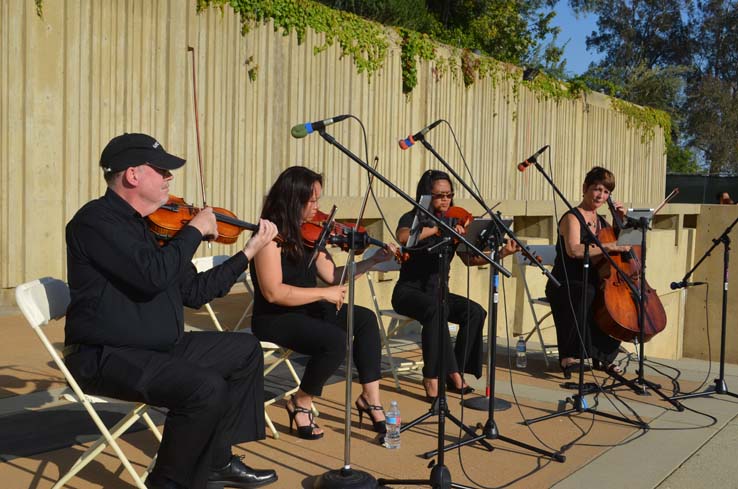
{"points": [[568, 269], [292, 311], [415, 294]]}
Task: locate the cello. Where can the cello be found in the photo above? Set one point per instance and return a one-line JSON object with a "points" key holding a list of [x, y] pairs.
{"points": [[616, 305]]}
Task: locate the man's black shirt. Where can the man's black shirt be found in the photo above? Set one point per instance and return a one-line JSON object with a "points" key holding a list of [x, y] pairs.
{"points": [[126, 290]]}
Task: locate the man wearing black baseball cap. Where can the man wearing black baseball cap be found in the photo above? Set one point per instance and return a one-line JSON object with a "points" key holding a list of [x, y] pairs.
{"points": [[134, 149], [124, 332]]}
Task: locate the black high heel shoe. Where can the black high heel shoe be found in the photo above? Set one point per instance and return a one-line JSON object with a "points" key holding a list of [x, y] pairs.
{"points": [[379, 426], [569, 369], [428, 384], [464, 390], [572, 367], [612, 368], [305, 432]]}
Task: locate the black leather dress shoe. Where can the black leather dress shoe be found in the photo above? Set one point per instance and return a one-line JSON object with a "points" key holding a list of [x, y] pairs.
{"points": [[237, 474]]}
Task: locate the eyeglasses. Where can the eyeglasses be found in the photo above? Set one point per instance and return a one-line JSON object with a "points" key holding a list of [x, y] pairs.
{"points": [[164, 173], [447, 195]]}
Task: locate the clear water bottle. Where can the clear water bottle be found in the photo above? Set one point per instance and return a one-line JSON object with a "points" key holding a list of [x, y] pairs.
{"points": [[521, 360], [392, 438]]}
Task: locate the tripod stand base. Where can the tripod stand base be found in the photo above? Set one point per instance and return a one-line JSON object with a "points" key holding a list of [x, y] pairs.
{"points": [[640, 386], [490, 433], [346, 479], [440, 478], [579, 405], [482, 404], [720, 388]]}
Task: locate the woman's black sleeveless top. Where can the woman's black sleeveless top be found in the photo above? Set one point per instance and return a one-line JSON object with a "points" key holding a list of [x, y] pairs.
{"points": [[296, 273], [569, 268]]}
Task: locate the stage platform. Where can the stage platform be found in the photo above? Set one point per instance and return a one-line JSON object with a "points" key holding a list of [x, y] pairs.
{"points": [[41, 435]]}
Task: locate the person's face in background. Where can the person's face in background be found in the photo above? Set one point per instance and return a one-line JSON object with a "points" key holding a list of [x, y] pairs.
{"points": [[442, 195]]}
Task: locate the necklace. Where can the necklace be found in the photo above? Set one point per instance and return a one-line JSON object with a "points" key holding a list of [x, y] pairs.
{"points": [[589, 217]]}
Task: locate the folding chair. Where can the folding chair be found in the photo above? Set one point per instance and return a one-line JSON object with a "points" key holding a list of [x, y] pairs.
{"points": [[205, 263], [45, 299], [274, 355], [397, 320], [547, 254]]}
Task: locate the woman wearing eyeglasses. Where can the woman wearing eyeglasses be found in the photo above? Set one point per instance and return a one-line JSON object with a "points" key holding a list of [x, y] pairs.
{"points": [[416, 295]]}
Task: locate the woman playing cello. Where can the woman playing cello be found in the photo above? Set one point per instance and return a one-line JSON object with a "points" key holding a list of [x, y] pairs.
{"points": [[568, 269]]}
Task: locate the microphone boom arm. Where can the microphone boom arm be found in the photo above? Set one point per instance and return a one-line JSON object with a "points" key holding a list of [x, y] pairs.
{"points": [[590, 235], [715, 242], [495, 217], [442, 225]]}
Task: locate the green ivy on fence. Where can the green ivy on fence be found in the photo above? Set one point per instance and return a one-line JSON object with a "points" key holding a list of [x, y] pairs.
{"points": [[367, 42]]}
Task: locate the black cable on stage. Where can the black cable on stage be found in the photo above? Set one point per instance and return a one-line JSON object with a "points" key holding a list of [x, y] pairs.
{"points": [[709, 349]]}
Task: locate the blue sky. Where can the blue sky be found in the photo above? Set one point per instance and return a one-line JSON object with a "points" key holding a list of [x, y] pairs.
{"points": [[575, 30]]}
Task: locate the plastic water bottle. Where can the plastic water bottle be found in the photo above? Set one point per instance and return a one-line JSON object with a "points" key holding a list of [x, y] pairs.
{"points": [[392, 438], [521, 360]]}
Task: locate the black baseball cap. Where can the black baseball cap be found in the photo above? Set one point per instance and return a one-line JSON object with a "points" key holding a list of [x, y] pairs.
{"points": [[136, 149]]}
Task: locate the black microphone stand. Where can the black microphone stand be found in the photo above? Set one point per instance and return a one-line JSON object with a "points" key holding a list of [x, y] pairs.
{"points": [[720, 386], [640, 384], [578, 400], [494, 241], [439, 406], [346, 477], [440, 477], [489, 429]]}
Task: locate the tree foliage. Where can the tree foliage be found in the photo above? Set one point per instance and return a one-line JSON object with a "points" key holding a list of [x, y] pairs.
{"points": [[712, 90], [679, 56], [514, 31]]}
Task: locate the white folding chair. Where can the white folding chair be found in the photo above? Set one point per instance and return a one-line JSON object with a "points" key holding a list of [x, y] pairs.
{"points": [[547, 255], [205, 263], [45, 299], [397, 320], [274, 355]]}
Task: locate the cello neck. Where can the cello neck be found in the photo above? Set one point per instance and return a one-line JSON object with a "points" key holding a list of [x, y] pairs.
{"points": [[615, 216]]}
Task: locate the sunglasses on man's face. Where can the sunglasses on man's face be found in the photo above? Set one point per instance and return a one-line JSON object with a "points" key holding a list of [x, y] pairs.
{"points": [[446, 195], [160, 171]]}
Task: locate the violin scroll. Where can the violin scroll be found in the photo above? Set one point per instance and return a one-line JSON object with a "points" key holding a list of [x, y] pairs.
{"points": [[345, 236]]}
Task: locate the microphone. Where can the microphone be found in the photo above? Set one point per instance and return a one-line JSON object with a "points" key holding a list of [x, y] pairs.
{"points": [[679, 285], [301, 130], [418, 136], [531, 159]]}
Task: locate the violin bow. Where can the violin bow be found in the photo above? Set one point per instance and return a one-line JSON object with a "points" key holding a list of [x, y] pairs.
{"points": [[361, 212], [197, 126], [666, 200], [197, 132]]}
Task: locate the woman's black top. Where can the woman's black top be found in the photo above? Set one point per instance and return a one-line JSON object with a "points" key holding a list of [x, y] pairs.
{"points": [[568, 268], [422, 268], [295, 273]]}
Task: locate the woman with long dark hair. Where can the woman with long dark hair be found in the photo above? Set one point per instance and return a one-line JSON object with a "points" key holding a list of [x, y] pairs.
{"points": [[416, 294], [568, 269], [292, 311]]}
